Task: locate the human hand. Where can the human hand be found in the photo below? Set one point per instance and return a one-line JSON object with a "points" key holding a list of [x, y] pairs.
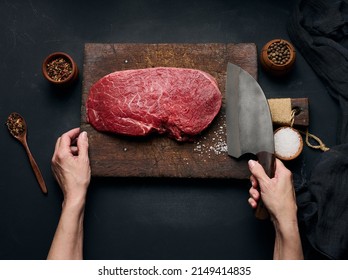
{"points": [[277, 193], [70, 165]]}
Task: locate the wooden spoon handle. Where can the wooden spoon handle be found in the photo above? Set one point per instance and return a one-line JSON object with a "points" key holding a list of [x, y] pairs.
{"points": [[36, 169]]}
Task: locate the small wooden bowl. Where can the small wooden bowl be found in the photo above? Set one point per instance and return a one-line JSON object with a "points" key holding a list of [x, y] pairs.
{"points": [[281, 140], [67, 79], [275, 68]]}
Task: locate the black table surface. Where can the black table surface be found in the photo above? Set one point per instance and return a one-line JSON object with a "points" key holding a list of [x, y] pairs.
{"points": [[134, 218]]}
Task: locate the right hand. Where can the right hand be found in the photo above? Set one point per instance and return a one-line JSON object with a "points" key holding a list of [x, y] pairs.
{"points": [[70, 165], [277, 193]]}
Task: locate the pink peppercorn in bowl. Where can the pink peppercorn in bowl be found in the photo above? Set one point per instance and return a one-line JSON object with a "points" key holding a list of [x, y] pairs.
{"points": [[60, 69]]}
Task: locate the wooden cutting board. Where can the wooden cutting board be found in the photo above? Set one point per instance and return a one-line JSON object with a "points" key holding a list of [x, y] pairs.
{"points": [[159, 156]]}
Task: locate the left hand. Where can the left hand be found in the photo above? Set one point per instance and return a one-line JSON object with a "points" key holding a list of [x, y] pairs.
{"points": [[70, 165]]}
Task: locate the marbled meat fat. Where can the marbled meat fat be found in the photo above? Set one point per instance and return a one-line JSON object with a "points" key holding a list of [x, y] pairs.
{"points": [[177, 101]]}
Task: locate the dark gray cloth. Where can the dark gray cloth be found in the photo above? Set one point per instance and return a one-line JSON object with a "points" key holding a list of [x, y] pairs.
{"points": [[323, 204], [319, 30]]}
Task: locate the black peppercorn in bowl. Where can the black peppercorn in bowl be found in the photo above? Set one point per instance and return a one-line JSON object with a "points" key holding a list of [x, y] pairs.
{"points": [[60, 69], [278, 57]]}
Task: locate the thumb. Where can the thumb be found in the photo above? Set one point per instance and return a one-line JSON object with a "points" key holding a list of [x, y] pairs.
{"points": [[82, 144], [259, 173]]}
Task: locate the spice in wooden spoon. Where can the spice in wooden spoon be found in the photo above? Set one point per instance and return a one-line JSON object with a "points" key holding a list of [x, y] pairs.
{"points": [[18, 128]]}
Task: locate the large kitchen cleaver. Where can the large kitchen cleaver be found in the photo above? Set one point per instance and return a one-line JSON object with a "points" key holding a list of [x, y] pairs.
{"points": [[249, 123]]}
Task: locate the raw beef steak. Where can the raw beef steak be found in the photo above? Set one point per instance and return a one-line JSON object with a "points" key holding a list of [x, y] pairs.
{"points": [[180, 102]]}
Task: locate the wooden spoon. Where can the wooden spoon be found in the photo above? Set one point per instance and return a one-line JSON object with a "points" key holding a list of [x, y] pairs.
{"points": [[18, 128]]}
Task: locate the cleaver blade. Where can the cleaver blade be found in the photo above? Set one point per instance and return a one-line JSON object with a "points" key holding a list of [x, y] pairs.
{"points": [[249, 123]]}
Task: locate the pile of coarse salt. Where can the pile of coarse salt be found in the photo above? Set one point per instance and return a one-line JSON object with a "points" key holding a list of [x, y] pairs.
{"points": [[288, 143]]}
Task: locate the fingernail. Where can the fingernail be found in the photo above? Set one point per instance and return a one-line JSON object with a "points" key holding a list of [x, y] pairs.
{"points": [[251, 163], [84, 134]]}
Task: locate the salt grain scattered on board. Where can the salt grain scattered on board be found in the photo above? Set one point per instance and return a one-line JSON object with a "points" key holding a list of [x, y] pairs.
{"points": [[217, 144]]}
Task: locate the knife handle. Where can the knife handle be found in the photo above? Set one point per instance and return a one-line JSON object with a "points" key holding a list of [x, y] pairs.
{"points": [[267, 161]]}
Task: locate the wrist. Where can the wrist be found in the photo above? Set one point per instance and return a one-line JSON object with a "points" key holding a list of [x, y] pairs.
{"points": [[74, 202], [286, 227], [286, 218]]}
